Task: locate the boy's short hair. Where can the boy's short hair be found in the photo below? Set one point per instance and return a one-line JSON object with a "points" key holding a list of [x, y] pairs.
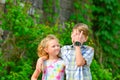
{"points": [[82, 27]]}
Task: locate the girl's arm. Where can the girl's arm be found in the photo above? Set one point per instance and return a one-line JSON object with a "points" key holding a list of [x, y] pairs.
{"points": [[37, 71], [35, 74], [40, 62]]}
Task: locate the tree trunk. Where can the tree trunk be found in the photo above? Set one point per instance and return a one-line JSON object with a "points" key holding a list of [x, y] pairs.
{"points": [[65, 10]]}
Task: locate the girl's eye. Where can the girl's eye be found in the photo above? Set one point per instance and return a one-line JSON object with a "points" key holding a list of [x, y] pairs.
{"points": [[53, 46], [58, 45]]}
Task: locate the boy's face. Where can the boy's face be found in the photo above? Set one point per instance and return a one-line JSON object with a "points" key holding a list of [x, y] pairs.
{"points": [[78, 36]]}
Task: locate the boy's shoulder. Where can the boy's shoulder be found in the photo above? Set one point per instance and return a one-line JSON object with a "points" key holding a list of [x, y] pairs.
{"points": [[88, 47], [67, 47], [70, 47]]}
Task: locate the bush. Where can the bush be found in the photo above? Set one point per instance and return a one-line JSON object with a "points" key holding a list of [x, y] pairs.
{"points": [[99, 73]]}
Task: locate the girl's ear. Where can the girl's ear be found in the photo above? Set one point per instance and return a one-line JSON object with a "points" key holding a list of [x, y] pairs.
{"points": [[46, 50]]}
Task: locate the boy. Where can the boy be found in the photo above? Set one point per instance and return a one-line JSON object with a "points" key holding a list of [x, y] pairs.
{"points": [[77, 56]]}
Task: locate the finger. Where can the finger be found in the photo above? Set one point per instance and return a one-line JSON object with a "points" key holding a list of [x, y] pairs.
{"points": [[81, 33], [77, 32], [81, 40], [80, 36]]}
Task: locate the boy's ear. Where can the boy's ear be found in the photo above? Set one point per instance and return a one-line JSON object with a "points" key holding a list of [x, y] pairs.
{"points": [[86, 38]]}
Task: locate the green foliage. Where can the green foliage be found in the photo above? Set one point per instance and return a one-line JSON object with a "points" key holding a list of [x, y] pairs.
{"points": [[22, 72], [20, 25], [50, 9], [106, 31], [99, 73], [65, 34], [81, 12], [15, 70]]}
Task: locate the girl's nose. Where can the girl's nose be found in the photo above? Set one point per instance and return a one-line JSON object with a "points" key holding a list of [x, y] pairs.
{"points": [[57, 47]]}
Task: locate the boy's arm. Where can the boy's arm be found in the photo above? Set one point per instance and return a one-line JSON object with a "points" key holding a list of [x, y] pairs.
{"points": [[40, 62], [88, 56], [80, 61]]}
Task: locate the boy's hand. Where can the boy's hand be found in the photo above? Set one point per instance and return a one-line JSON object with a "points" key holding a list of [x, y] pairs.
{"points": [[75, 36], [78, 36], [39, 64]]}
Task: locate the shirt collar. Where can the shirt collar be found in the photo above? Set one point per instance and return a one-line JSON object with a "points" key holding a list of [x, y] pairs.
{"points": [[82, 46]]}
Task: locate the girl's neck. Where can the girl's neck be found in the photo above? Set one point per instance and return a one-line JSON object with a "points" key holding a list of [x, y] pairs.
{"points": [[52, 58]]}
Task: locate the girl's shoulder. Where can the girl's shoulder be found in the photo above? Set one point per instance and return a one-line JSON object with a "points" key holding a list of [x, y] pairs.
{"points": [[54, 63], [61, 61]]}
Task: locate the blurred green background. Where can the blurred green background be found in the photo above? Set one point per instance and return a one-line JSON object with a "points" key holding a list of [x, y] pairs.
{"points": [[23, 23]]}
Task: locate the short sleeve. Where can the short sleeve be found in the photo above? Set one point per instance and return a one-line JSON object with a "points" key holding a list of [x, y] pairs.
{"points": [[62, 62], [88, 56], [62, 51]]}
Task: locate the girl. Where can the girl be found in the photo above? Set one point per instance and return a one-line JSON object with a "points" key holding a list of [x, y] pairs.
{"points": [[53, 67]]}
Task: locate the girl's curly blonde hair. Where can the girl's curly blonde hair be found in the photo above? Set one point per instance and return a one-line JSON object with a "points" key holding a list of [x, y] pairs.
{"points": [[43, 44]]}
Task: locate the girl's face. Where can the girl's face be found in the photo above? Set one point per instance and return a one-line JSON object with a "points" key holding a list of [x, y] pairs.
{"points": [[53, 48]]}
